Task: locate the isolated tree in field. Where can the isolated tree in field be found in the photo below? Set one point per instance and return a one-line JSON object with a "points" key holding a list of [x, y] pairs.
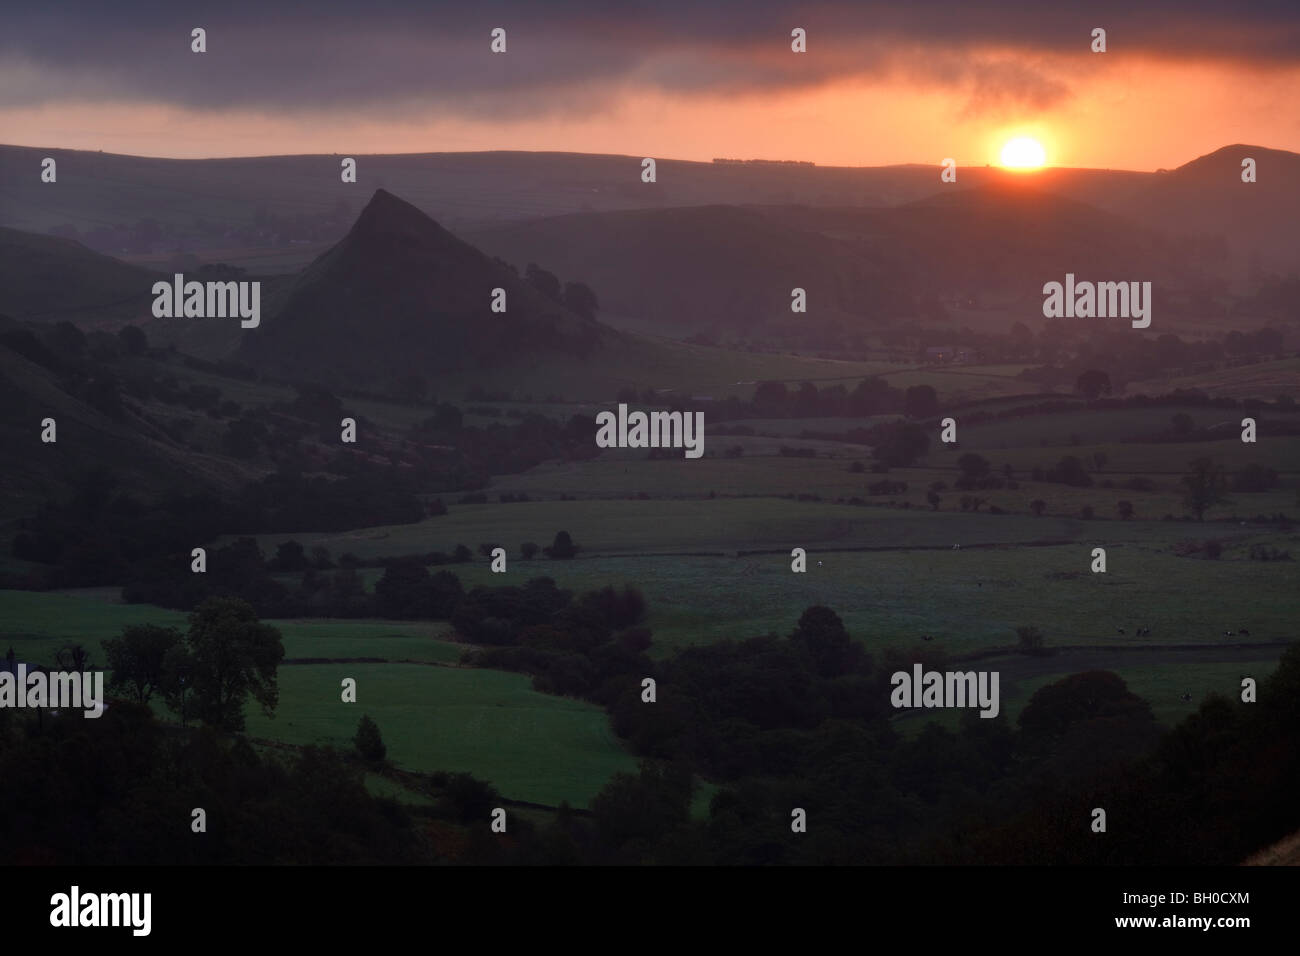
{"points": [[136, 658], [1038, 506], [1206, 485], [235, 655], [562, 547], [72, 657], [369, 742], [1029, 640], [933, 498], [1092, 383], [1125, 509]]}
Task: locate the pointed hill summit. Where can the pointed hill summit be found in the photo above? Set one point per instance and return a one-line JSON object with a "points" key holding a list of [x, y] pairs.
{"points": [[400, 296]]}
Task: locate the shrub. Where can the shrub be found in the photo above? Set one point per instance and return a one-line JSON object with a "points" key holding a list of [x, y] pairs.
{"points": [[369, 742]]}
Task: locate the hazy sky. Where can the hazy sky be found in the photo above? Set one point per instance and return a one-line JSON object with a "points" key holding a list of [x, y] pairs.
{"points": [[687, 79]]}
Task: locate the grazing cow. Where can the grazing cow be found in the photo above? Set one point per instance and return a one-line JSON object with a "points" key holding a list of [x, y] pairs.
{"points": [[927, 637], [1186, 697], [1228, 634], [1244, 633], [1119, 630]]}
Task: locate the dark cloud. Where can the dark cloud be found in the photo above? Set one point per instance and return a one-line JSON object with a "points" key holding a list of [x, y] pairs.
{"points": [[386, 57]]}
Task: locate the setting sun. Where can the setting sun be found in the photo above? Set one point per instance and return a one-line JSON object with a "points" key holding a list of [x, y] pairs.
{"points": [[1023, 153]]}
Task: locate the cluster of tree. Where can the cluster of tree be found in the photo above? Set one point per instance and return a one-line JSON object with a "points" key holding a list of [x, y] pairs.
{"points": [[802, 721], [226, 656], [576, 296], [101, 535]]}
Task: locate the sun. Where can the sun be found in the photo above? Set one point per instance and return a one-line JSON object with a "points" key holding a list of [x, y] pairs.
{"points": [[1023, 153]]}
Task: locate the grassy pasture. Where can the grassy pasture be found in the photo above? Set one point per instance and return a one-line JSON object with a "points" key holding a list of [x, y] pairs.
{"points": [[531, 746]]}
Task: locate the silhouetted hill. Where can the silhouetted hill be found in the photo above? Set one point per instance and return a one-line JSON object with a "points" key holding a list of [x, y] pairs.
{"points": [[720, 267], [1207, 196], [400, 296], [707, 268], [44, 278]]}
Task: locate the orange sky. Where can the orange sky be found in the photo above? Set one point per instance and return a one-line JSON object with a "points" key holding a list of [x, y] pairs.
{"points": [[1118, 112]]}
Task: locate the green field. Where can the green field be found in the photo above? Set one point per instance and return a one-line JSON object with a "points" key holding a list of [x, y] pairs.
{"points": [[36, 624], [531, 746]]}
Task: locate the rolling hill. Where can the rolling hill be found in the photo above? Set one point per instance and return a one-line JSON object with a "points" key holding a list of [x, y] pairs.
{"points": [[48, 279]]}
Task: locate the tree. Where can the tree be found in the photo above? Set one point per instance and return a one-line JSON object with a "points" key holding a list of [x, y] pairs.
{"points": [[403, 591], [178, 680], [1092, 384], [544, 282], [445, 592], [1206, 485], [1029, 640], [133, 340], [1125, 509], [369, 742], [235, 655], [136, 658], [933, 498], [289, 556], [72, 657], [643, 807], [1070, 471], [529, 550], [900, 444], [921, 401], [562, 547], [821, 634], [1038, 506], [771, 396], [579, 298]]}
